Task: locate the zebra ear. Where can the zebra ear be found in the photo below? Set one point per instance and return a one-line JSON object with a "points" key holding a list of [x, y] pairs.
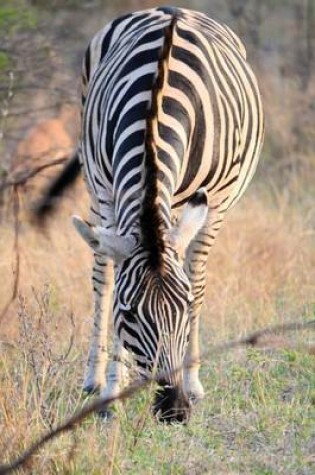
{"points": [[191, 221], [104, 241], [87, 232]]}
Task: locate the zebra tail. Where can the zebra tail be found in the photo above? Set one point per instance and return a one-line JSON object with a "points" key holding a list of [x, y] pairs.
{"points": [[50, 199]]}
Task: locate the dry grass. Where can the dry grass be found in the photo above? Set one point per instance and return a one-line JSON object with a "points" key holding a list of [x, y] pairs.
{"points": [[257, 417], [259, 410], [262, 269], [48, 258]]}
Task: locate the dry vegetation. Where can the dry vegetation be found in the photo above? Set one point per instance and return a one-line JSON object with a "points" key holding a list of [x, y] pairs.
{"points": [[258, 416]]}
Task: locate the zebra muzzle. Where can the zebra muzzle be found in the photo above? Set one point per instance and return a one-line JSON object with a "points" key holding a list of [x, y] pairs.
{"points": [[171, 405]]}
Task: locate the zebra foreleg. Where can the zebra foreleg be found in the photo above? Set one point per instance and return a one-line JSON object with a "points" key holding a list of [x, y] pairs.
{"points": [[97, 359], [117, 376], [192, 385], [196, 267]]}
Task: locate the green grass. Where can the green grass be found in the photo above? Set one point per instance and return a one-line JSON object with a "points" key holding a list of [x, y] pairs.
{"points": [[15, 15], [258, 416]]}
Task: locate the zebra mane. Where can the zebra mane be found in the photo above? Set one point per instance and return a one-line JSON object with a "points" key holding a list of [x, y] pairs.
{"points": [[151, 221]]}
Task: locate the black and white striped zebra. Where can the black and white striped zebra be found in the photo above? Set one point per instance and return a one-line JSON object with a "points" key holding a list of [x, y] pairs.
{"points": [[172, 127]]}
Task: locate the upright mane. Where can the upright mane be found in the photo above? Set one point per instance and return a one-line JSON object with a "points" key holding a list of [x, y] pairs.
{"points": [[151, 221]]}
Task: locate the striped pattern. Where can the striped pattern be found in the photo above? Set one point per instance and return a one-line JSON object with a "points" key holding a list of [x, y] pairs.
{"points": [[154, 324], [177, 83], [210, 123]]}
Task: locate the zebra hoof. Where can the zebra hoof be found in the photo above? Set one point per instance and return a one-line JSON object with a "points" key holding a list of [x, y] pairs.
{"points": [[171, 406], [195, 398], [195, 392], [91, 389], [106, 415]]}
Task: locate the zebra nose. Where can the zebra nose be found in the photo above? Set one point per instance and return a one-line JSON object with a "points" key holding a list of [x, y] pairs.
{"points": [[171, 405]]}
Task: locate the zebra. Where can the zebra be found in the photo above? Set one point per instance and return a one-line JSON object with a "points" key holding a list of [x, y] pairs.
{"points": [[172, 129]]}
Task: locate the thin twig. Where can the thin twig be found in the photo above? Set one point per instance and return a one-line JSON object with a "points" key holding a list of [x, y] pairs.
{"points": [[16, 252], [23, 176], [14, 182], [6, 104], [250, 340], [64, 357], [253, 338]]}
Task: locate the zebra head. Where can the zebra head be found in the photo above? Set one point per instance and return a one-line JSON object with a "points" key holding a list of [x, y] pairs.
{"points": [[151, 304]]}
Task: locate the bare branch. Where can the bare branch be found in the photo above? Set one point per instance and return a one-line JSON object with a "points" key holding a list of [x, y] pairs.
{"points": [[253, 338], [23, 176]]}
